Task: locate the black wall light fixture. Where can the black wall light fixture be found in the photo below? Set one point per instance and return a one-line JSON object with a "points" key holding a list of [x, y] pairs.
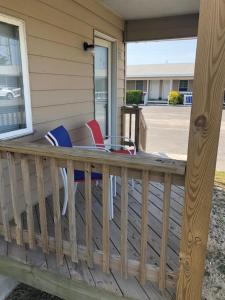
{"points": [[88, 46]]}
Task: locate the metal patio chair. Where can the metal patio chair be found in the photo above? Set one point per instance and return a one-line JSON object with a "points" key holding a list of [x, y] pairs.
{"points": [[59, 137], [98, 141]]}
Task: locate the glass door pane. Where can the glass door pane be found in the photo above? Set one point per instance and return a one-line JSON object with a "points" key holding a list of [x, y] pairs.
{"points": [[102, 86]]}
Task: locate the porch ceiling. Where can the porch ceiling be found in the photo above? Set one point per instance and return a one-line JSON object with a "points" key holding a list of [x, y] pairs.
{"points": [[145, 9]]}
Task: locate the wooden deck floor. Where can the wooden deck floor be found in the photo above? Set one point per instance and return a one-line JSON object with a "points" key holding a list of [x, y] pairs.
{"points": [[112, 282]]}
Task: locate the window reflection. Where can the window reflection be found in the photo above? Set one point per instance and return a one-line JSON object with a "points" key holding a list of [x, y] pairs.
{"points": [[12, 104], [101, 88]]}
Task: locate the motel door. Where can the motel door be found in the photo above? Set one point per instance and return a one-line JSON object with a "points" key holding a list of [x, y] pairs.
{"points": [[102, 71], [154, 89]]}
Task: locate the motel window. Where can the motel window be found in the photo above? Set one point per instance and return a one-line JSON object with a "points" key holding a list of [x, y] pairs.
{"points": [[140, 85], [183, 86], [15, 109]]}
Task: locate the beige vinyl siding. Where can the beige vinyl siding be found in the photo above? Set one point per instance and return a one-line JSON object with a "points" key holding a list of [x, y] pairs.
{"points": [[61, 72]]}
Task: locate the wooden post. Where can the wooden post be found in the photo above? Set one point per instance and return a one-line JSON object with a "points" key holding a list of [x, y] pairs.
{"points": [[131, 111], [137, 128], [206, 114]]}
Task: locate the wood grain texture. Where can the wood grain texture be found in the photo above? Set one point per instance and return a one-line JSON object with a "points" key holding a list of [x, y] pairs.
{"points": [[105, 230], [143, 131], [88, 215], [71, 211], [152, 271], [144, 226], [28, 200], [165, 232], [4, 204], [139, 162], [124, 223], [206, 113], [41, 200], [57, 211], [53, 283], [13, 188]]}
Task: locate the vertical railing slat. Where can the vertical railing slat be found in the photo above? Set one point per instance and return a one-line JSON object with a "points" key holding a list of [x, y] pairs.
{"points": [[28, 200], [165, 231], [130, 125], [105, 230], [137, 128], [42, 206], [4, 204], [124, 222], [88, 215], [144, 226], [14, 194], [56, 210], [71, 211]]}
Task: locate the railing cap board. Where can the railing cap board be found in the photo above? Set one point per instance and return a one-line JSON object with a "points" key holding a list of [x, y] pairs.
{"points": [[149, 162], [130, 109]]}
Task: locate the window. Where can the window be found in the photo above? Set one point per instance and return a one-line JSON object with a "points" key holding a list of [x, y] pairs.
{"points": [[140, 85], [15, 108], [183, 86]]}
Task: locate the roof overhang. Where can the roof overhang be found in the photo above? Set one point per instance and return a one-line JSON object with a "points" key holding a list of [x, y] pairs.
{"points": [[156, 19], [185, 26]]}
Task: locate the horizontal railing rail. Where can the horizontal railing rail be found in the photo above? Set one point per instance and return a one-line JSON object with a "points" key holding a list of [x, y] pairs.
{"points": [[25, 163]]}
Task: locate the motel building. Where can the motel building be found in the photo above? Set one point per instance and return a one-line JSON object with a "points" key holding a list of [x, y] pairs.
{"points": [[157, 80]]}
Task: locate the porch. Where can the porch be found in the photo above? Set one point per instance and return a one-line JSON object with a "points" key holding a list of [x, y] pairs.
{"points": [[136, 255]]}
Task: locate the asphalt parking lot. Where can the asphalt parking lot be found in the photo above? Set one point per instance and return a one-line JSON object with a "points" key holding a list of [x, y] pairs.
{"points": [[168, 130]]}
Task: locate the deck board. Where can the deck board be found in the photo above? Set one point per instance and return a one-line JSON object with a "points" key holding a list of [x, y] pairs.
{"points": [[113, 281]]}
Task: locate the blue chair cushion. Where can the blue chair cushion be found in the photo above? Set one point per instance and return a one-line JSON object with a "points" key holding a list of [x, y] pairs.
{"points": [[60, 138], [79, 176]]}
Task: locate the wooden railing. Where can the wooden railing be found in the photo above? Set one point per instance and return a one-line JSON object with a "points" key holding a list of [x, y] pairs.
{"points": [[26, 169], [142, 133], [133, 125]]}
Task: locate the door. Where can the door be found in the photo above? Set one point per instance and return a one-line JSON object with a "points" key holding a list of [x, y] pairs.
{"points": [[102, 72], [154, 89], [165, 89]]}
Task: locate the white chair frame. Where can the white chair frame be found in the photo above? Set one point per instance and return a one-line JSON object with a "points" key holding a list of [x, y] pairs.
{"points": [[65, 181]]}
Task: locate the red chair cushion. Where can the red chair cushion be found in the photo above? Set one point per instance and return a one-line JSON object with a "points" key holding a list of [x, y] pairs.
{"points": [[96, 132]]}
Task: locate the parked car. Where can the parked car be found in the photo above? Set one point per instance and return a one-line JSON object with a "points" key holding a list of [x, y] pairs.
{"points": [[10, 93]]}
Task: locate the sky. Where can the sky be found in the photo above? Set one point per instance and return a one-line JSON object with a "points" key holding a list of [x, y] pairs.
{"points": [[160, 52]]}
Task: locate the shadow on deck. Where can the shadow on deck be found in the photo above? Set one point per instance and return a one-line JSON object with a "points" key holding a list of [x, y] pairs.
{"points": [[94, 277]]}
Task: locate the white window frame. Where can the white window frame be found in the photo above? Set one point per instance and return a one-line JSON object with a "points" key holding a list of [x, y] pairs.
{"points": [[114, 77], [187, 85], [26, 84], [108, 45]]}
